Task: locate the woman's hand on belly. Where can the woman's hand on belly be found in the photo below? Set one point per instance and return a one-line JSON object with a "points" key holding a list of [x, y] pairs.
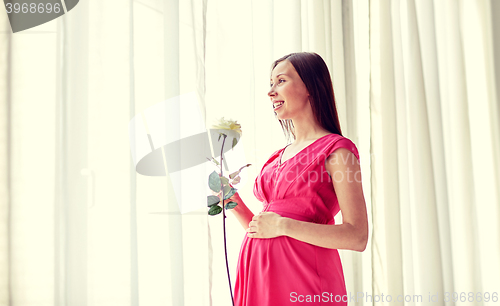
{"points": [[265, 225]]}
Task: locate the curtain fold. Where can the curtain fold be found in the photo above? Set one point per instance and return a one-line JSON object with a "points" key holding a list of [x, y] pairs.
{"points": [[386, 231], [485, 140], [435, 107], [5, 171]]}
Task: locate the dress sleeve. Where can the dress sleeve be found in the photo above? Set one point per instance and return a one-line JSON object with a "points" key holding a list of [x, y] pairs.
{"points": [[343, 142]]}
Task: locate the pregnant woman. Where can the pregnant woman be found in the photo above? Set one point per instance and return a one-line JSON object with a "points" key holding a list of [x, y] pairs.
{"points": [[289, 253]]}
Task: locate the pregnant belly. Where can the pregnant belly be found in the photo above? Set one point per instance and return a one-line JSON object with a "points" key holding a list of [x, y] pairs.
{"points": [[285, 259]]}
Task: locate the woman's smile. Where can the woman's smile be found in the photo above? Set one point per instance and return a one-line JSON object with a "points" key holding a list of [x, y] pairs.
{"points": [[278, 104]]}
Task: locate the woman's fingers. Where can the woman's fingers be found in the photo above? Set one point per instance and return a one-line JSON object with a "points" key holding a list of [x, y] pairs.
{"points": [[218, 194], [251, 223]]}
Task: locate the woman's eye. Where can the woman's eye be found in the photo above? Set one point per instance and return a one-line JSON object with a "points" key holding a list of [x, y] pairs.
{"points": [[279, 81]]}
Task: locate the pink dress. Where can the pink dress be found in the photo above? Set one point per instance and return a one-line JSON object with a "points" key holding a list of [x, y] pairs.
{"points": [[283, 270]]}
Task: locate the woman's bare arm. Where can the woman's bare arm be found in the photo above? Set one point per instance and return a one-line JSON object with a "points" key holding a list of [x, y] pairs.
{"points": [[241, 211]]}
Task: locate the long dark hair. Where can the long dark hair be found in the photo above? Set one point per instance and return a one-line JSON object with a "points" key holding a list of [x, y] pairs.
{"points": [[314, 73]]}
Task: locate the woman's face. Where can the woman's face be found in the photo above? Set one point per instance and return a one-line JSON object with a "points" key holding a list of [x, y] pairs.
{"points": [[287, 87]]}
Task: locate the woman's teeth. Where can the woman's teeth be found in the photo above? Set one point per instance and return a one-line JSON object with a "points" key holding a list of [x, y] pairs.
{"points": [[278, 104]]}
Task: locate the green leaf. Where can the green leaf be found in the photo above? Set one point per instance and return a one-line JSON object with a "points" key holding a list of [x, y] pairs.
{"points": [[212, 200], [222, 134], [226, 190], [224, 180], [215, 210], [231, 192], [234, 142], [231, 205], [234, 174], [215, 161], [236, 180], [214, 182]]}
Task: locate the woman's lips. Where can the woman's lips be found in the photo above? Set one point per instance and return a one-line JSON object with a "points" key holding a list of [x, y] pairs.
{"points": [[278, 104]]}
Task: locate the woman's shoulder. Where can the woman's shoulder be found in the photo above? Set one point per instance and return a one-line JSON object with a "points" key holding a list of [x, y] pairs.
{"points": [[337, 141]]}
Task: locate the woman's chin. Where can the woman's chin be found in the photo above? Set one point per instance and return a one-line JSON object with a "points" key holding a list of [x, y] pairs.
{"points": [[283, 115]]}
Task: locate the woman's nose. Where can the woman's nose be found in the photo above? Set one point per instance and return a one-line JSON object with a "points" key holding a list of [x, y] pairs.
{"points": [[271, 92]]}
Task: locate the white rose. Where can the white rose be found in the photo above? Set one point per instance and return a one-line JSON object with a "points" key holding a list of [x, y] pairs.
{"points": [[222, 124]]}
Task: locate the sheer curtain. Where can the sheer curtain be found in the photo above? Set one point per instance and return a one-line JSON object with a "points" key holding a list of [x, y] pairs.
{"points": [[435, 150], [416, 91]]}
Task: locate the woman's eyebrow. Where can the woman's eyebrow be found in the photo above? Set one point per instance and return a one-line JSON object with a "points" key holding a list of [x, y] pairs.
{"points": [[278, 75]]}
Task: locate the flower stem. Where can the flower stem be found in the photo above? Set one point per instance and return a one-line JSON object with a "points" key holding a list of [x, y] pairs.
{"points": [[224, 223]]}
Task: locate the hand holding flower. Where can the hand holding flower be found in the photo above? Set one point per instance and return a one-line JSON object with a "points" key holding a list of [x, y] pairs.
{"points": [[234, 198], [223, 192]]}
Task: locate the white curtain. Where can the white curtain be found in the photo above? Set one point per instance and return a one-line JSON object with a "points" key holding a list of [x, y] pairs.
{"points": [[416, 91], [435, 150]]}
